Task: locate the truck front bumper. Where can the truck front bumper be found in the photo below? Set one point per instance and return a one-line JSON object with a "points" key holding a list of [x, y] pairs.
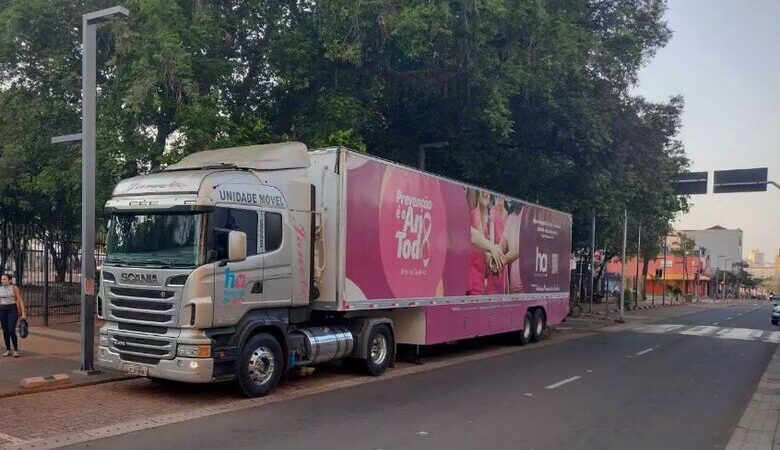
{"points": [[188, 370]]}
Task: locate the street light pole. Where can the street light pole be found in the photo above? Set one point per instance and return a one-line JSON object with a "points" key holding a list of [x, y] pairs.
{"points": [[663, 273], [623, 266], [90, 21], [592, 258], [718, 277], [423, 147], [638, 254]]}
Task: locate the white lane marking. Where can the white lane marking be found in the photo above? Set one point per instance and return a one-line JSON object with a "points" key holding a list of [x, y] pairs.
{"points": [[11, 439], [589, 371], [744, 334], [715, 323], [729, 318], [701, 330], [659, 328], [562, 382], [647, 350]]}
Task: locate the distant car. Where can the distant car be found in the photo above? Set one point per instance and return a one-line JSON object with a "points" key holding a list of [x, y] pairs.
{"points": [[775, 314]]}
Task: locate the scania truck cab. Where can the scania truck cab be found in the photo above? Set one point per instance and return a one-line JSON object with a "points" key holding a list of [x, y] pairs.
{"points": [[209, 274]]}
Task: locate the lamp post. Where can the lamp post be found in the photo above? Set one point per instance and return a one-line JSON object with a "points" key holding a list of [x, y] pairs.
{"points": [[90, 21], [423, 147]]}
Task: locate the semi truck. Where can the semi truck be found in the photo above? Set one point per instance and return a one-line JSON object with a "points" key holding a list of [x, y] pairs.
{"points": [[243, 263]]}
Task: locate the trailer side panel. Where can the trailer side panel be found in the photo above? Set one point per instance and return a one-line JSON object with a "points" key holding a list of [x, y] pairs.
{"points": [[415, 239]]}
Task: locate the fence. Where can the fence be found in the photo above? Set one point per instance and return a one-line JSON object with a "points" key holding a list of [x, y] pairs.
{"points": [[46, 269]]}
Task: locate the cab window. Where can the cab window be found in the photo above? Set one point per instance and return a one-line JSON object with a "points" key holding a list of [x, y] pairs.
{"points": [[222, 222], [272, 231]]}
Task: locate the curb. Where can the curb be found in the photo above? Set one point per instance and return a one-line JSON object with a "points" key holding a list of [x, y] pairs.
{"points": [[759, 426], [48, 380], [22, 390]]}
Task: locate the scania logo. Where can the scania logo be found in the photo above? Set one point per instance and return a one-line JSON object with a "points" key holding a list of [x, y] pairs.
{"points": [[118, 343], [139, 278]]}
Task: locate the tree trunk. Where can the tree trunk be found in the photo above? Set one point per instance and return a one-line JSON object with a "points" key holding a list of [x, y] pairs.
{"points": [[643, 280]]}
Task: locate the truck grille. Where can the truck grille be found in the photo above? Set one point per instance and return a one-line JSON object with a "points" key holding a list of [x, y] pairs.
{"points": [[149, 348], [142, 306]]}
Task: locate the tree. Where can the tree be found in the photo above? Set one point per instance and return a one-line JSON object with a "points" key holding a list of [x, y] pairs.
{"points": [[533, 98]]}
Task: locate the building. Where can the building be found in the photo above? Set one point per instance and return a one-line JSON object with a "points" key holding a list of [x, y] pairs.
{"points": [[777, 264], [756, 258], [723, 246], [658, 280]]}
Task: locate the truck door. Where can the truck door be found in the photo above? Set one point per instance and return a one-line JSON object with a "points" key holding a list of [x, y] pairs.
{"points": [[238, 286], [276, 248]]}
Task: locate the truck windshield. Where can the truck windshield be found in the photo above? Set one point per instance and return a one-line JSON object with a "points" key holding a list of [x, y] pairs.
{"points": [[168, 240]]}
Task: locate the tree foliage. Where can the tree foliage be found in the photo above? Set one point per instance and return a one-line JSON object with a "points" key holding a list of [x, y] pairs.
{"points": [[532, 97]]}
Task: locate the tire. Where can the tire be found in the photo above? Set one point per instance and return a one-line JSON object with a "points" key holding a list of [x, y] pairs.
{"points": [[522, 337], [537, 332], [774, 322], [380, 351], [260, 366]]}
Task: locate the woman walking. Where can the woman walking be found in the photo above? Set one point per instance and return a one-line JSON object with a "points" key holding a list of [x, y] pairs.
{"points": [[11, 307]]}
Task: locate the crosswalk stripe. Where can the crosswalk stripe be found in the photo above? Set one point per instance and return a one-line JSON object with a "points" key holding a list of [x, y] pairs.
{"points": [[741, 334], [702, 330]]}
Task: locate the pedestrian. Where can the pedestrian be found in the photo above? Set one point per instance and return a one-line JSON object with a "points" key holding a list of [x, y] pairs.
{"points": [[11, 307]]}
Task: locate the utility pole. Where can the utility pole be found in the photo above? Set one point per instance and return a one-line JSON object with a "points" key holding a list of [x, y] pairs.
{"points": [[663, 275], [638, 255], [623, 266], [685, 265], [423, 147], [592, 257], [90, 21], [699, 273]]}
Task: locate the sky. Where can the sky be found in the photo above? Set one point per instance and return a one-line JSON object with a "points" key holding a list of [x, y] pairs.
{"points": [[724, 58]]}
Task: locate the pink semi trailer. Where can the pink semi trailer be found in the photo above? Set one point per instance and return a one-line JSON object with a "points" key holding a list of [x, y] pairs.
{"points": [[242, 263]]}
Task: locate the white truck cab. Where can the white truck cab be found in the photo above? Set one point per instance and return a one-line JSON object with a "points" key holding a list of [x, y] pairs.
{"points": [[201, 255]]}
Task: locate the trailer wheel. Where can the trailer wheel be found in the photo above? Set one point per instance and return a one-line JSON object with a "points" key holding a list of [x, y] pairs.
{"points": [[260, 366], [539, 325], [380, 351], [523, 336]]}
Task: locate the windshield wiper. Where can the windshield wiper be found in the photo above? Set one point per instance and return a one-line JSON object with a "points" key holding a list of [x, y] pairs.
{"points": [[154, 262], [116, 262]]}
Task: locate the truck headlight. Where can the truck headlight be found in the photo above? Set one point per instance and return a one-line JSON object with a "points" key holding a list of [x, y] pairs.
{"points": [[105, 341], [193, 351]]}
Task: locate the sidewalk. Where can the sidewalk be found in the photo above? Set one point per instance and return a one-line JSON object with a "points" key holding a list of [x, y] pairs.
{"points": [[46, 352]]}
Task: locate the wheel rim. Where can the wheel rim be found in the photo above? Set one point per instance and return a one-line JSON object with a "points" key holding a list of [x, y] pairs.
{"points": [[261, 366], [539, 327], [527, 328], [378, 349]]}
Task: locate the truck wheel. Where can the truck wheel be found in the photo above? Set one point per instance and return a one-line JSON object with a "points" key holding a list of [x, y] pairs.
{"points": [[523, 336], [774, 322], [260, 366], [380, 351], [539, 325]]}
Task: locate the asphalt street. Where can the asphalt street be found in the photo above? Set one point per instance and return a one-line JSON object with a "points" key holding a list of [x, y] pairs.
{"points": [[610, 390]]}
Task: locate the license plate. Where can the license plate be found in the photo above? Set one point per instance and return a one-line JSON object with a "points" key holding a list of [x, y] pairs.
{"points": [[136, 369]]}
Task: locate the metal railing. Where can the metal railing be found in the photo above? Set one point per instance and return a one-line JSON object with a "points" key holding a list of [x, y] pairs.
{"points": [[46, 269]]}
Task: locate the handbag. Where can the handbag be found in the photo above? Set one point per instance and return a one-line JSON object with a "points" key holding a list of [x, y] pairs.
{"points": [[24, 328]]}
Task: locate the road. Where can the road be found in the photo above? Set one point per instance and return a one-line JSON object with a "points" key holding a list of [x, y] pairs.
{"points": [[611, 390]]}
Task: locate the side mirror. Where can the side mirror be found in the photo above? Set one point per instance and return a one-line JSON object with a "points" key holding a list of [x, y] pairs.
{"points": [[236, 246]]}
